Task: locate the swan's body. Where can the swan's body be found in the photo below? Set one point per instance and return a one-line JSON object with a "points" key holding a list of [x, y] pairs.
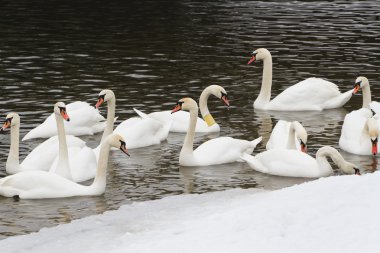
{"points": [[41, 157], [312, 94], [293, 163], [138, 131], [216, 151], [360, 130], [85, 120], [290, 135], [42, 184], [206, 124]]}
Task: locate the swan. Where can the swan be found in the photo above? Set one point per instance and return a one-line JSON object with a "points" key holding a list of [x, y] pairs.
{"points": [[180, 120], [138, 131], [41, 157], [293, 163], [284, 135], [42, 184], [85, 120], [215, 151], [360, 131], [75, 163], [312, 94]]}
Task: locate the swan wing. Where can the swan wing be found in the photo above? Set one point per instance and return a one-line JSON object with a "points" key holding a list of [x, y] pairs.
{"points": [[42, 156], [309, 94], [279, 136], [284, 162]]}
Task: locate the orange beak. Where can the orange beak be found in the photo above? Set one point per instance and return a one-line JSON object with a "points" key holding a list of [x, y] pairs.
{"points": [[176, 108], [225, 100], [374, 148], [253, 58], [6, 124], [64, 115], [303, 147], [100, 101], [356, 89]]}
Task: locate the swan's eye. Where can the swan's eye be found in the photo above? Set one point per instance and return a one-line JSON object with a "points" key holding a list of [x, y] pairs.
{"points": [[9, 120], [254, 53], [358, 83], [62, 109], [101, 96]]}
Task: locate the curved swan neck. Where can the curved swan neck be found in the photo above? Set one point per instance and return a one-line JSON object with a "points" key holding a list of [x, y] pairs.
{"points": [[100, 180], [63, 167], [291, 139], [203, 99], [327, 151], [111, 105], [266, 85], [366, 96], [188, 144], [13, 162]]}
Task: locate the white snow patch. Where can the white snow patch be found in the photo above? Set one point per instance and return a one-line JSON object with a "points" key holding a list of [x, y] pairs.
{"points": [[334, 214]]}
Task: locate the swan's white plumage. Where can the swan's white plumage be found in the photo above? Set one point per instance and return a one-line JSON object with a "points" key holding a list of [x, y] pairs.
{"points": [[84, 120], [294, 163], [141, 132], [354, 138], [312, 94], [219, 151], [180, 121]]}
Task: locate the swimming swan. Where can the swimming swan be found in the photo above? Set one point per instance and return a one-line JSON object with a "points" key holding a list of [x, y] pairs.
{"points": [[215, 151], [293, 163], [312, 94], [42, 184]]}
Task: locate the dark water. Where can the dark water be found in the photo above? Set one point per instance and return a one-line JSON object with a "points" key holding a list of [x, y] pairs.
{"points": [[151, 53]]}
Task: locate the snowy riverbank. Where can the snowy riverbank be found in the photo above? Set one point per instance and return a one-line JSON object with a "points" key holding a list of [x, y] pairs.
{"points": [[334, 214]]}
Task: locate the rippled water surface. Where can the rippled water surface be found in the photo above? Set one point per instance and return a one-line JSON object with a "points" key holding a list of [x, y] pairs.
{"points": [[151, 53]]}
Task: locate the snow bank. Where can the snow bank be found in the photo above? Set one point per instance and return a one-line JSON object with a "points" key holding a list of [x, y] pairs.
{"points": [[334, 214]]}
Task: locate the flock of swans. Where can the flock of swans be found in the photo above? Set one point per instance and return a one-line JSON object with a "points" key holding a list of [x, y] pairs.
{"points": [[55, 168]]}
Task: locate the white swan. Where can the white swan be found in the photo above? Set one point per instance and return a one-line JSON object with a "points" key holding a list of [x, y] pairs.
{"points": [[41, 157], [138, 131], [216, 151], [42, 184], [312, 94], [360, 131], [180, 120], [85, 120], [285, 134], [293, 163], [75, 163]]}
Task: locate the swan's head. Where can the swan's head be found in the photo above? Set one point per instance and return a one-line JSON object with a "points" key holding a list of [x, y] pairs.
{"points": [[12, 119], [219, 92], [60, 109], [185, 104], [117, 141], [259, 55], [373, 132], [104, 96], [301, 135], [350, 168], [360, 83]]}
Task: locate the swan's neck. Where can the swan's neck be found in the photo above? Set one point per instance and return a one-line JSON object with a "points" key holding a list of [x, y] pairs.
{"points": [[187, 147], [291, 139], [266, 85], [13, 161], [327, 151], [206, 115], [366, 96], [111, 104], [100, 180], [63, 167]]}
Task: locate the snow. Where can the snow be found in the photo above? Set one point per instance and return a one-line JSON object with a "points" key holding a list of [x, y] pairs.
{"points": [[333, 214]]}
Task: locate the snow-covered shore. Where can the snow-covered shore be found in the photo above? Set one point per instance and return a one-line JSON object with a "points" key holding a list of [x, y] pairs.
{"points": [[334, 214]]}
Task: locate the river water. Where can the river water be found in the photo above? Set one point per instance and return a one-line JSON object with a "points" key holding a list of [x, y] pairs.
{"points": [[152, 53]]}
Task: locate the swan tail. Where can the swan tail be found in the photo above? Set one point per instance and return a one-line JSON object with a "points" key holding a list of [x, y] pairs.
{"points": [[140, 113], [254, 163], [253, 145]]}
